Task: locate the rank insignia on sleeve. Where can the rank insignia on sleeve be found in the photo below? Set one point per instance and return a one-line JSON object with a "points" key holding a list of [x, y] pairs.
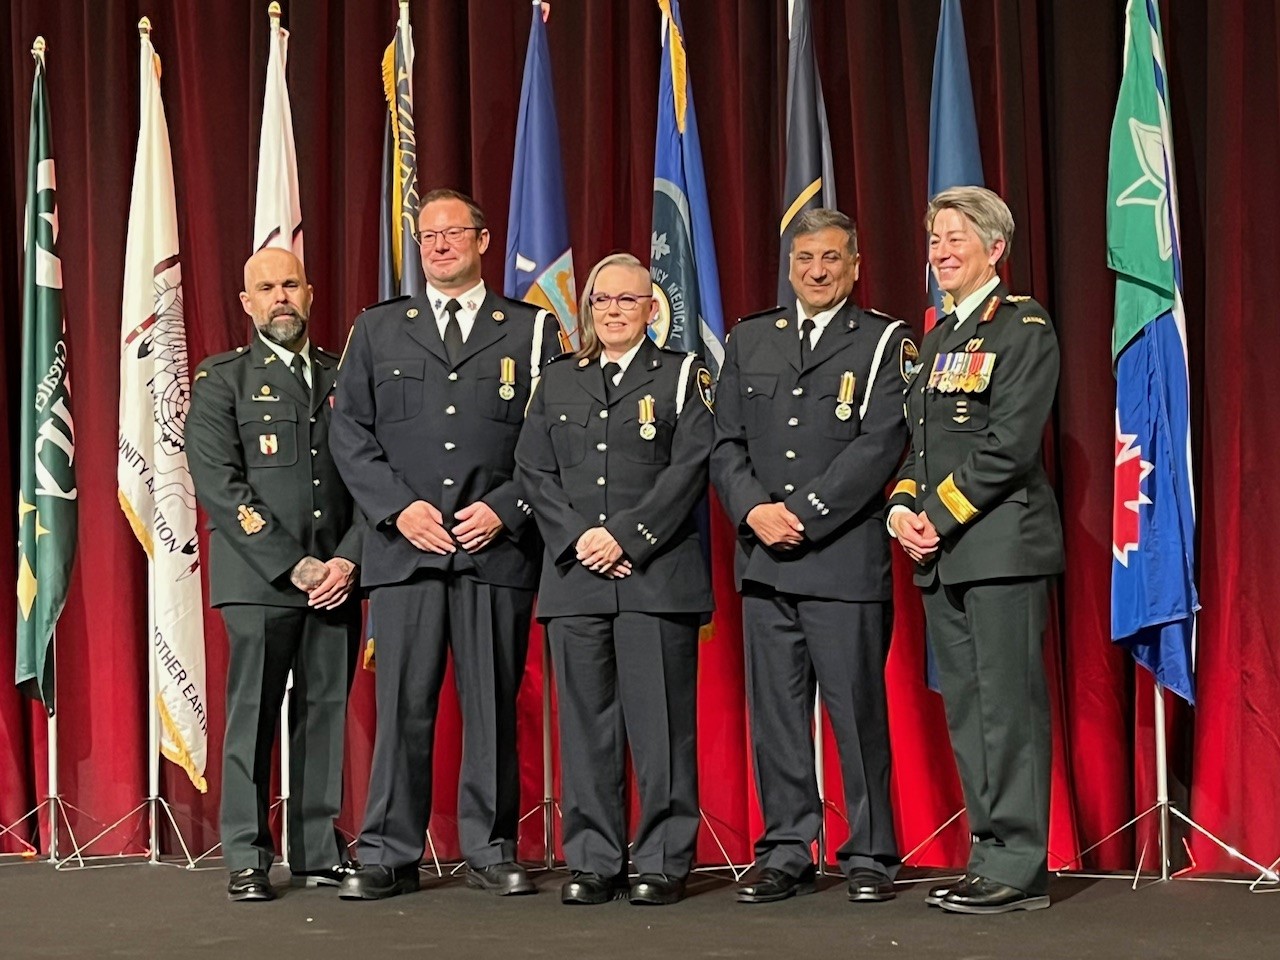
{"points": [[706, 388], [250, 519], [268, 444], [908, 360]]}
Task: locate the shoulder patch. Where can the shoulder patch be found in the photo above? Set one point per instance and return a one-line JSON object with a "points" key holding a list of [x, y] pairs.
{"points": [[706, 388], [1039, 320], [771, 312], [908, 359], [383, 303]]}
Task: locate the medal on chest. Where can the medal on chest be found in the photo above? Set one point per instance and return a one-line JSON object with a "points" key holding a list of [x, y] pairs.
{"points": [[507, 376], [844, 398], [646, 414]]}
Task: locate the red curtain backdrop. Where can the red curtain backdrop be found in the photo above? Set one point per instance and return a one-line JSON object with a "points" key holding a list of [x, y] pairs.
{"points": [[1045, 78]]}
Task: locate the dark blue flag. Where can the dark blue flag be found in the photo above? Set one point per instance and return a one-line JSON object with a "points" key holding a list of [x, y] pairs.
{"points": [[539, 265]]}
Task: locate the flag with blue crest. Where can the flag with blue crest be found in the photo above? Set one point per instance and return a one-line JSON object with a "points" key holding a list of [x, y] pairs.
{"points": [[539, 265], [1153, 591], [683, 253]]}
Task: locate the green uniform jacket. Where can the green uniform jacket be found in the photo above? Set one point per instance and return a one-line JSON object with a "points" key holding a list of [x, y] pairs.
{"points": [[974, 466], [259, 454]]}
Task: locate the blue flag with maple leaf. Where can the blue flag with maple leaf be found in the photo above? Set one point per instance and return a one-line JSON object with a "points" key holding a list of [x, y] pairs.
{"points": [[1153, 592]]}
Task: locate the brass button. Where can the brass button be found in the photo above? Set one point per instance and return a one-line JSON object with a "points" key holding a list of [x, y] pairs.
{"points": [[793, 422], [450, 410], [602, 447], [599, 481], [604, 414], [317, 514], [791, 454], [449, 446], [798, 392], [453, 375]]}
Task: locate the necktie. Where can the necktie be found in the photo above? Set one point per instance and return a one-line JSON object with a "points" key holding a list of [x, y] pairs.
{"points": [[806, 344], [611, 371], [453, 331], [299, 369]]}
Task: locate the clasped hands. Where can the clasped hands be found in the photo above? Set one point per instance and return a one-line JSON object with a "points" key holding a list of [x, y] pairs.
{"points": [[775, 526], [600, 553], [327, 584], [916, 533], [422, 524]]}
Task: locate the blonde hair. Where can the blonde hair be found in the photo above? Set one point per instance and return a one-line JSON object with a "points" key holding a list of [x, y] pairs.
{"points": [[983, 208], [591, 347]]}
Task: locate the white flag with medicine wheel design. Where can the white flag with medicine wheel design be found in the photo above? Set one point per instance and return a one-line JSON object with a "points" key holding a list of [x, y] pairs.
{"points": [[277, 218], [155, 488]]}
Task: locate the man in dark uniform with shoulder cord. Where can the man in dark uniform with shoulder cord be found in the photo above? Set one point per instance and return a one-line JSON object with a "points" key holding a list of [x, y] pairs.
{"points": [[980, 519], [284, 543], [430, 403], [809, 430]]}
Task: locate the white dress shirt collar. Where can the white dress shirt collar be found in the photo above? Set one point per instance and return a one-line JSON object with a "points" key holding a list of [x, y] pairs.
{"points": [[623, 361], [469, 305], [288, 355], [820, 320]]}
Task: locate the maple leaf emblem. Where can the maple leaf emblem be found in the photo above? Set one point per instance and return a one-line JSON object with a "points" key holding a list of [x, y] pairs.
{"points": [[658, 246], [1131, 470]]}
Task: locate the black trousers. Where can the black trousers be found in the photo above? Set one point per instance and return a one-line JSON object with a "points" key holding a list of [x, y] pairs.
{"points": [[987, 641], [417, 623], [319, 646], [628, 677], [793, 643]]}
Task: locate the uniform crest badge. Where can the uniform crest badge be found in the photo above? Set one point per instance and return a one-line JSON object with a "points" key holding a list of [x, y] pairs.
{"points": [[908, 360], [411, 312], [498, 316], [706, 389], [268, 444], [781, 323], [250, 519]]}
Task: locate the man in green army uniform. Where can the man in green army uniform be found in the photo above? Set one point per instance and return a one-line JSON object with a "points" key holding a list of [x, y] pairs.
{"points": [[284, 543], [979, 518]]}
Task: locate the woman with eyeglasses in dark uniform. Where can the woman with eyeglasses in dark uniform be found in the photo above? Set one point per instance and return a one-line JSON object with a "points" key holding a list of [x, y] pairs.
{"points": [[613, 455]]}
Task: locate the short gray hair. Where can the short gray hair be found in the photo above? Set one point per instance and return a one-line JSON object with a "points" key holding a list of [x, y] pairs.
{"points": [[811, 221], [983, 208], [591, 347]]}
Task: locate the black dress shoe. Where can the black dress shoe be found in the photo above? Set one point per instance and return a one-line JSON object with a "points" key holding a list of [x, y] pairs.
{"points": [[657, 889], [250, 884], [591, 888], [501, 879], [983, 896], [870, 886], [772, 884], [326, 877], [376, 882], [935, 895]]}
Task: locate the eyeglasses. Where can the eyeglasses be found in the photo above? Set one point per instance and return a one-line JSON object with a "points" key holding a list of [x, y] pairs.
{"points": [[627, 302], [452, 234]]}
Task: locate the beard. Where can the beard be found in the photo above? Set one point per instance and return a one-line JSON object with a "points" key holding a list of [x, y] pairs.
{"points": [[284, 327]]}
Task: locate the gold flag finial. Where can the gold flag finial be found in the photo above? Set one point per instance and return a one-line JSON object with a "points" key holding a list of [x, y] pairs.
{"points": [[273, 12], [144, 27], [37, 48]]}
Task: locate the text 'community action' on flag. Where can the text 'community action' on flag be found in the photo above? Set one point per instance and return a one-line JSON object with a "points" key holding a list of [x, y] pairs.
{"points": [[155, 488]]}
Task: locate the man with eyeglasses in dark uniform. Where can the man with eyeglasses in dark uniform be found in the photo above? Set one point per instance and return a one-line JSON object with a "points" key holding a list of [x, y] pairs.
{"points": [[431, 398]]}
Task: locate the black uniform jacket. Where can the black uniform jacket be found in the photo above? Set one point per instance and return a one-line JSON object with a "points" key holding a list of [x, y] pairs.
{"points": [[781, 435], [409, 425], [586, 463], [982, 483], [258, 448]]}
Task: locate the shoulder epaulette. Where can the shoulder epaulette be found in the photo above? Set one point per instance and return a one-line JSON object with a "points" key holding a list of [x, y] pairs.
{"points": [[556, 359], [383, 303], [323, 352], [880, 313], [220, 358], [1016, 298], [761, 313]]}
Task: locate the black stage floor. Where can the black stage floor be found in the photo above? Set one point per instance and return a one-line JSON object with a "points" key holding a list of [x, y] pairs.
{"points": [[158, 911]]}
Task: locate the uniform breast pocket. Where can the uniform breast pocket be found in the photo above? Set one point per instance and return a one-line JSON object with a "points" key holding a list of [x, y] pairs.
{"points": [[398, 389], [836, 418], [492, 402], [269, 437], [643, 446], [568, 423], [966, 412], [757, 402]]}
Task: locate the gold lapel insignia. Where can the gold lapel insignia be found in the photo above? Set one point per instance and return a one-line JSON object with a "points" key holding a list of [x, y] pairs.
{"points": [[250, 519], [507, 376], [844, 399], [266, 391], [992, 306], [498, 316], [201, 373], [948, 303], [781, 323], [270, 358], [411, 312], [646, 414], [973, 345], [583, 362]]}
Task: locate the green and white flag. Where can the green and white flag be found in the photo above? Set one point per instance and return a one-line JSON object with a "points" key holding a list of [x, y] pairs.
{"points": [[46, 459]]}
